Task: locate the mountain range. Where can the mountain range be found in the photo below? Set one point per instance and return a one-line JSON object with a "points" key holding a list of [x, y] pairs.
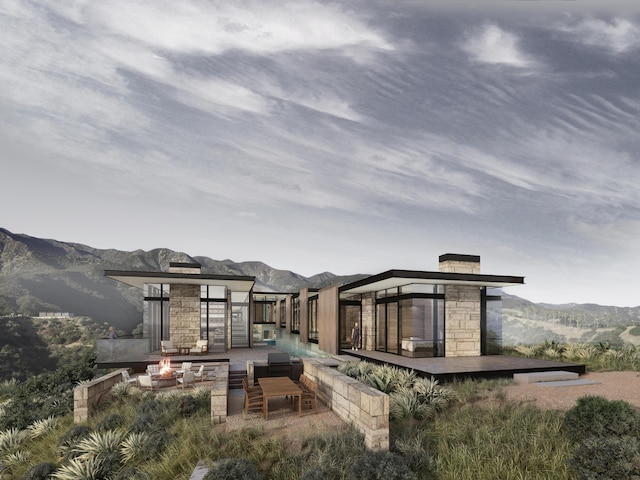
{"points": [[39, 275]]}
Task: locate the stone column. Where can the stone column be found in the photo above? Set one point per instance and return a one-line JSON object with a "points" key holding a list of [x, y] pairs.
{"points": [[462, 307]]}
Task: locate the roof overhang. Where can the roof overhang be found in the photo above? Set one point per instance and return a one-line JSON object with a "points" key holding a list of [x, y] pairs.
{"points": [[235, 283], [399, 278]]}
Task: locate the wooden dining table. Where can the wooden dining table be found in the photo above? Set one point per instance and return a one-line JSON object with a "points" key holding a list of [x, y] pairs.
{"points": [[278, 387]]}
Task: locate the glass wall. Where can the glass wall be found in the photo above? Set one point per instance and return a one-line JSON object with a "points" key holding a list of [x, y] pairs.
{"points": [[313, 320], [213, 314], [492, 328], [156, 314], [410, 320], [295, 315], [422, 327], [350, 313], [264, 322], [239, 319]]}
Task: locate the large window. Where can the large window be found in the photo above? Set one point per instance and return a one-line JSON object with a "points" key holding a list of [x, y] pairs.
{"points": [[350, 313], [491, 327], [156, 313], [313, 320], [295, 315], [213, 313], [410, 321]]}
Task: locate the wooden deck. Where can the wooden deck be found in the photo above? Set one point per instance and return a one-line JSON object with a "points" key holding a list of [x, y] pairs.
{"points": [[487, 366]]}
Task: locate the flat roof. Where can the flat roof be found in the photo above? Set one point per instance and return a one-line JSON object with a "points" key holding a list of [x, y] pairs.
{"points": [[399, 278], [236, 283]]}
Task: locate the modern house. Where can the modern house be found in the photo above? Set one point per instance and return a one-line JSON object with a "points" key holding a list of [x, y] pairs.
{"points": [[453, 312]]}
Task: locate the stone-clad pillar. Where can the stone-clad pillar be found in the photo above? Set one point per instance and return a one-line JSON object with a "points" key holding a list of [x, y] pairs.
{"points": [[462, 308]]}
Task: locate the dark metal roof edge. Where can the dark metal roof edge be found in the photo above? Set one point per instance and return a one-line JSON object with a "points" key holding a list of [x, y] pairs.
{"points": [[458, 257], [185, 264], [203, 276], [444, 276]]}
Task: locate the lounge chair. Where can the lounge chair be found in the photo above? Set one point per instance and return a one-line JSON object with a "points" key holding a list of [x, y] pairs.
{"points": [[145, 381], [200, 348], [153, 369], [189, 378], [167, 348], [186, 367], [200, 373], [127, 378]]}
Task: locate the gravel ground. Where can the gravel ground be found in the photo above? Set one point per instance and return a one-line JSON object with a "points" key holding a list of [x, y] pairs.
{"points": [[611, 385]]}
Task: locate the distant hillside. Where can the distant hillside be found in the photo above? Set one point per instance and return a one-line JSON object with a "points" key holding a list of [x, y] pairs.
{"points": [[48, 275], [528, 322]]}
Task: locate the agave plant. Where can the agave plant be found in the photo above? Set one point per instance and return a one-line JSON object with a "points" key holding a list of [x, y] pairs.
{"points": [[405, 403], [133, 446], [99, 445], [17, 458], [41, 427], [11, 438], [432, 393], [405, 378], [77, 469], [528, 351]]}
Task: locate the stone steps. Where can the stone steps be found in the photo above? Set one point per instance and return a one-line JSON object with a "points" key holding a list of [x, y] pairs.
{"points": [[552, 378]]}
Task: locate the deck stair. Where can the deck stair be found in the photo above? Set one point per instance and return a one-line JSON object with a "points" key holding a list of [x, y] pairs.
{"points": [[552, 378], [235, 378]]}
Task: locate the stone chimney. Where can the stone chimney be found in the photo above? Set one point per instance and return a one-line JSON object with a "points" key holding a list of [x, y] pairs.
{"points": [[457, 263], [192, 268]]}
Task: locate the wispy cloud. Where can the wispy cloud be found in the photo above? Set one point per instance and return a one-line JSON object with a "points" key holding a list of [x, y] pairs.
{"points": [[618, 35], [494, 45]]}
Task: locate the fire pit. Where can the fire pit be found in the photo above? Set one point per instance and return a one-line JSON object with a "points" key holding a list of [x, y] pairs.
{"points": [[166, 376]]}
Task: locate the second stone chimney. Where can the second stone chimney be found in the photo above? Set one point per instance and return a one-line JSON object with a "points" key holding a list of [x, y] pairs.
{"points": [[457, 263], [192, 268]]}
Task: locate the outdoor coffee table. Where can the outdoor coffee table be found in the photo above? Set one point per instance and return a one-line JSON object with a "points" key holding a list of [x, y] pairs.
{"points": [[278, 387]]}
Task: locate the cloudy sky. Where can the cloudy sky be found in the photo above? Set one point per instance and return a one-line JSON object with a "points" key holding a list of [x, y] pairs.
{"points": [[342, 136]]}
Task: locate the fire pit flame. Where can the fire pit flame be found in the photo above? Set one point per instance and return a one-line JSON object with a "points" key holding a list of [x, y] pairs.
{"points": [[165, 367]]}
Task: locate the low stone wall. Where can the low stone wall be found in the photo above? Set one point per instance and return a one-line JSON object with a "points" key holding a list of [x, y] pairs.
{"points": [[363, 406], [88, 395], [220, 395]]}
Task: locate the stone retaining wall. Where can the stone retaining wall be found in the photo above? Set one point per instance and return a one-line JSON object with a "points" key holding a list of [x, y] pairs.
{"points": [[363, 406], [220, 395], [88, 395]]}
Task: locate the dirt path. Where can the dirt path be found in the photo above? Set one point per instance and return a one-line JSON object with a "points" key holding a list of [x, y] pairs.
{"points": [[611, 385]]}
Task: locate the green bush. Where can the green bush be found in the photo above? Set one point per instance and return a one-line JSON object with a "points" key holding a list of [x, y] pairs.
{"points": [[609, 458], [380, 465], [111, 422], [131, 474], [40, 471], [232, 469], [597, 416], [71, 437]]}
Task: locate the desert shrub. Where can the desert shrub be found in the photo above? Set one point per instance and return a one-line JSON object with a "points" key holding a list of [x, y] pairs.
{"points": [[414, 445], [316, 474], [40, 471], [597, 416], [380, 465], [71, 437], [187, 405], [607, 458], [405, 403], [232, 469], [156, 444], [110, 422], [131, 474]]}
